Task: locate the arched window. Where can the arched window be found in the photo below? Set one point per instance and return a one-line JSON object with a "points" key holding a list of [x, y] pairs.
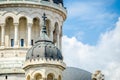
{"points": [[60, 37], [28, 77], [55, 32], [38, 76], [50, 76], [59, 78], [35, 28], [48, 27], [9, 31], [23, 31]]}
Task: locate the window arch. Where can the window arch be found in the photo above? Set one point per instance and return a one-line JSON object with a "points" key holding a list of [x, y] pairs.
{"points": [[48, 23], [35, 29], [59, 77], [60, 37], [38, 76], [55, 33], [28, 77], [23, 31], [50, 76], [9, 31]]}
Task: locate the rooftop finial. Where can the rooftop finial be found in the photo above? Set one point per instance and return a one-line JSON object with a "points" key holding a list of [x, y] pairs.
{"points": [[44, 25]]}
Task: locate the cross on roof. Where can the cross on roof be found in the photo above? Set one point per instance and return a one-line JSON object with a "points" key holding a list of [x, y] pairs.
{"points": [[44, 23], [44, 18]]}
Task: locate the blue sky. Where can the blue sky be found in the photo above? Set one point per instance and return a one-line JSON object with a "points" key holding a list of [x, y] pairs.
{"points": [[88, 19], [91, 39]]}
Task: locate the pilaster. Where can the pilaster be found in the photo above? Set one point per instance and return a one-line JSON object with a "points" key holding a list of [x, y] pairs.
{"points": [[15, 34], [2, 35], [29, 26]]}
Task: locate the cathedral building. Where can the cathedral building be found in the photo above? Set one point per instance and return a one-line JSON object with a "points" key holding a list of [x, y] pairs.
{"points": [[30, 42]]}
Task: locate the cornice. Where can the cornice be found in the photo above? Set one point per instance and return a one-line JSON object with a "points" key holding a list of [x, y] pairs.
{"points": [[51, 7], [44, 62]]}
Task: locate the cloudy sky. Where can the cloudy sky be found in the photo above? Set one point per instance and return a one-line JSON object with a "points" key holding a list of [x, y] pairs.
{"points": [[91, 39]]}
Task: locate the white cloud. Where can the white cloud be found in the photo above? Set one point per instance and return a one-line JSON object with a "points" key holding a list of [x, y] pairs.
{"points": [[104, 56], [86, 14]]}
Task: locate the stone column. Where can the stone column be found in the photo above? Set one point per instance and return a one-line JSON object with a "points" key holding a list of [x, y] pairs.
{"points": [[2, 35], [29, 34], [16, 35]]}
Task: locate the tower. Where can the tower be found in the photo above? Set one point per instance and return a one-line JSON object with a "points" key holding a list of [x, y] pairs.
{"points": [[20, 26], [44, 60]]}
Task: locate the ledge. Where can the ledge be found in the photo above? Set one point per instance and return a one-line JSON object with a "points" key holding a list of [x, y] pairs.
{"points": [[9, 70], [43, 61]]}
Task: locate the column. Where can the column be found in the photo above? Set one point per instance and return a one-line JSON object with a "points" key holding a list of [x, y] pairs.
{"points": [[16, 35], [2, 35], [29, 34]]}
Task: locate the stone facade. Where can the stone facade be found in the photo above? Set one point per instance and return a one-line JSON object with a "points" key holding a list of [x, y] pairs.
{"points": [[20, 25]]}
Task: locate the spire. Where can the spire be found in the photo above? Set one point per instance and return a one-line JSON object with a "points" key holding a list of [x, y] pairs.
{"points": [[44, 24], [43, 35]]}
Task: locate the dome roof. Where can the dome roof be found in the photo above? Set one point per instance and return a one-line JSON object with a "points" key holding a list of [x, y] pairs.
{"points": [[44, 48], [72, 73]]}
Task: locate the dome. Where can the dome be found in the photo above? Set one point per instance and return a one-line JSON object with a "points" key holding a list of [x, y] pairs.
{"points": [[44, 48], [71, 73]]}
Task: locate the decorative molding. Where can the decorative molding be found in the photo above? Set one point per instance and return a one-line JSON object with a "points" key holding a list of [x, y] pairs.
{"points": [[42, 61]]}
